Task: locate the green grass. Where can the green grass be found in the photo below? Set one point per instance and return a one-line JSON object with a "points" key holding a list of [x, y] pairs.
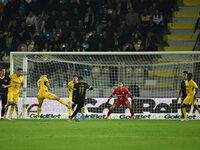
{"points": [[99, 135]]}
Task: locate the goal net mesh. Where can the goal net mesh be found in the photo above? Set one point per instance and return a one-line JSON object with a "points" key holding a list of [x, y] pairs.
{"points": [[154, 76]]}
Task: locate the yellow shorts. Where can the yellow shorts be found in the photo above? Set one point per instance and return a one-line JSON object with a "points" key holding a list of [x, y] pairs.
{"points": [[70, 100], [13, 97], [188, 100], [45, 95], [194, 101]]}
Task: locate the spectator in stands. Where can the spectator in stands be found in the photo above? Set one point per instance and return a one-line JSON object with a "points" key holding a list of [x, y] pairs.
{"points": [[46, 47], [78, 47], [110, 28], [107, 41], [158, 21], [149, 42], [100, 47], [2, 44], [22, 4], [131, 18], [123, 32], [73, 39], [93, 41], [2, 19], [89, 18], [64, 16], [67, 29], [34, 5], [42, 18], [51, 22], [20, 17], [117, 43], [76, 16], [23, 33], [9, 43], [115, 18], [145, 17], [134, 89], [120, 19], [81, 29], [103, 20], [12, 27], [31, 21]]}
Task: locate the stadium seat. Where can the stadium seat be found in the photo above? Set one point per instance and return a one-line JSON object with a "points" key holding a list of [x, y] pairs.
{"points": [[193, 14], [181, 25]]}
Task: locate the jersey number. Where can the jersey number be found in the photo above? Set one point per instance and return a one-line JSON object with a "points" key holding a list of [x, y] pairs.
{"points": [[81, 90]]}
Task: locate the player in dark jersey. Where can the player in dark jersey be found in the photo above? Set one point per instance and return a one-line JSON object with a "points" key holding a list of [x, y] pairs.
{"points": [[5, 83], [122, 99], [79, 92], [182, 91]]}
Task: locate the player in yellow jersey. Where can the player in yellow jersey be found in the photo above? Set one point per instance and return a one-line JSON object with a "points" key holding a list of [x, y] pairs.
{"points": [[43, 93], [13, 91], [70, 86], [191, 88]]}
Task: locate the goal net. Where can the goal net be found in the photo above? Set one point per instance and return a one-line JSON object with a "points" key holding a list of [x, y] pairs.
{"points": [[152, 77]]}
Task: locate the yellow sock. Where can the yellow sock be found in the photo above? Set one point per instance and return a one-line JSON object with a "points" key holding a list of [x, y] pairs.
{"points": [[184, 112], [82, 110], [39, 111], [62, 102], [12, 110], [70, 111]]}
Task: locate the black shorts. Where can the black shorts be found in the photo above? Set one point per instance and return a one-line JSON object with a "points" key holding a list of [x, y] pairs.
{"points": [[79, 102], [4, 97]]}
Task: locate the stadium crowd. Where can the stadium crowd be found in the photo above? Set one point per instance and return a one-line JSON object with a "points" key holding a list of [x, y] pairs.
{"points": [[83, 25]]}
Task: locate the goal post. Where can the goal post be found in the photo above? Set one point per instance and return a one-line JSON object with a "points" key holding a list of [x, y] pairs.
{"points": [[156, 75]]}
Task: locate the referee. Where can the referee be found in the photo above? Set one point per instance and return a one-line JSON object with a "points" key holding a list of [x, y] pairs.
{"points": [[5, 83], [79, 92], [182, 92]]}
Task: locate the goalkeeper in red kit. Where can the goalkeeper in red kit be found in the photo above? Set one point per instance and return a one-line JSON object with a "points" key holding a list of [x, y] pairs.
{"points": [[122, 99]]}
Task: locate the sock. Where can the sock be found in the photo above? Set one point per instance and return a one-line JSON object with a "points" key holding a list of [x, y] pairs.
{"points": [[11, 111], [132, 112], [182, 115], [63, 102], [184, 112], [76, 112], [2, 112], [16, 108], [109, 112], [39, 111], [70, 111], [5, 113], [82, 110]]}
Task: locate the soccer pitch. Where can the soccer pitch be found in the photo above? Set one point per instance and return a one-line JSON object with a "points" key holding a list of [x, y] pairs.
{"points": [[99, 134]]}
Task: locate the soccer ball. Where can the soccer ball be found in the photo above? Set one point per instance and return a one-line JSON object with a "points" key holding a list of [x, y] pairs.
{"points": [[78, 117]]}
